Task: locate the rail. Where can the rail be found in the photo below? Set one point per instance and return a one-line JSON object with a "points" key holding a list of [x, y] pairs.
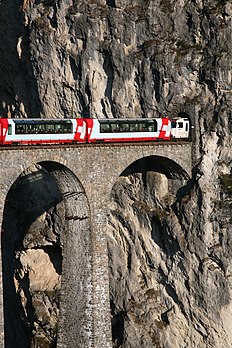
{"points": [[97, 144]]}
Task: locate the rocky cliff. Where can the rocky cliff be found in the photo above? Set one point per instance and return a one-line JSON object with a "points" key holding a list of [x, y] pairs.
{"points": [[169, 251]]}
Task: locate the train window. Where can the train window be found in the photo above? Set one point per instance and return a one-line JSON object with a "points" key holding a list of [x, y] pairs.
{"points": [[19, 129], [104, 127], [148, 126], [33, 128], [134, 127], [10, 129], [186, 126], [58, 128], [40, 128], [143, 127], [123, 127], [114, 127], [66, 127], [28, 128], [180, 124], [152, 126], [173, 124], [50, 128]]}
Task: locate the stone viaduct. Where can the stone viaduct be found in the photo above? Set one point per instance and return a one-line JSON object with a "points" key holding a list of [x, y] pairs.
{"points": [[87, 174]]}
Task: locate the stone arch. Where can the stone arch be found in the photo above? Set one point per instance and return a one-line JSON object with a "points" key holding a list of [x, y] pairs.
{"points": [[56, 206], [140, 232], [186, 110], [157, 163], [175, 175], [183, 114]]}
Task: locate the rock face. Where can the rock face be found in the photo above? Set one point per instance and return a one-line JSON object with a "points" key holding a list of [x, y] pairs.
{"points": [[32, 260], [169, 280], [169, 251], [115, 58]]}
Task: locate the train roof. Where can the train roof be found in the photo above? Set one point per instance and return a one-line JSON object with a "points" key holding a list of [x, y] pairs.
{"points": [[39, 120], [129, 119]]}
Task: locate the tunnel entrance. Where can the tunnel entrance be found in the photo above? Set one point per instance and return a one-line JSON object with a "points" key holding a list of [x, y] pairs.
{"points": [[191, 125], [143, 236], [46, 255]]}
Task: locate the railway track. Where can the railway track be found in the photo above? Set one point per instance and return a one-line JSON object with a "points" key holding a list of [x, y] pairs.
{"points": [[98, 144]]}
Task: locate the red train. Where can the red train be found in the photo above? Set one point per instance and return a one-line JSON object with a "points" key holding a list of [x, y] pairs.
{"points": [[88, 130]]}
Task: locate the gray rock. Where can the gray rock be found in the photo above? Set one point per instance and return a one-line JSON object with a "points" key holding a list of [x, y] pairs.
{"points": [[169, 252]]}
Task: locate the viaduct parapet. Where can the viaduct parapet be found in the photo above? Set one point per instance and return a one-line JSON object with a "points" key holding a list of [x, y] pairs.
{"points": [[87, 174]]}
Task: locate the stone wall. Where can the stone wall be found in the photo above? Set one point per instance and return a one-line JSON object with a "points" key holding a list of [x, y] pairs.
{"points": [[84, 177]]}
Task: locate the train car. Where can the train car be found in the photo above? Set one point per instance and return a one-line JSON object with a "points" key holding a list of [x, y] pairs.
{"points": [[49, 131], [127, 130], [41, 131], [180, 128]]}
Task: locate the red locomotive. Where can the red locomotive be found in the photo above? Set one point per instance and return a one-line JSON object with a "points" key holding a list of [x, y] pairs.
{"points": [[88, 130]]}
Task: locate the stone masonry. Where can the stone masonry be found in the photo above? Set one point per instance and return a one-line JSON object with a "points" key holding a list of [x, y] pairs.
{"points": [[95, 169]]}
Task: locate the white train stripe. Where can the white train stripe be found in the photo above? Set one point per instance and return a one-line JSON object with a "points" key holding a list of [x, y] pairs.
{"points": [[81, 131]]}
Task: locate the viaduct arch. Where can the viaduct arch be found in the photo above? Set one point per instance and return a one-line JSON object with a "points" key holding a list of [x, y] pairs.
{"points": [[88, 174]]}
